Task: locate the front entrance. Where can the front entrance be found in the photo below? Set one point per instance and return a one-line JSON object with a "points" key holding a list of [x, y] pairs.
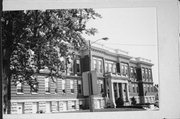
{"points": [[120, 91], [117, 87]]}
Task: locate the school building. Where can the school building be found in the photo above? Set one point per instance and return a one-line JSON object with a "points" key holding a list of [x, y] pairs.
{"points": [[103, 74]]}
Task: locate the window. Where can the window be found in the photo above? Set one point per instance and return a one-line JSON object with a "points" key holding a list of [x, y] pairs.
{"points": [[133, 88], [78, 66], [54, 106], [101, 86], [124, 69], [146, 70], [145, 90], [63, 66], [79, 86], [106, 67], [63, 86], [47, 85], [100, 66], [55, 85], [148, 86], [19, 87], [114, 68], [69, 65], [129, 87], [150, 75], [135, 75], [143, 73], [110, 67], [132, 72], [64, 105], [95, 64], [34, 89], [80, 104], [137, 88], [72, 86], [73, 104]]}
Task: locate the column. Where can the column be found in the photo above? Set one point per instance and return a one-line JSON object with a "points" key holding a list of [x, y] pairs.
{"points": [[127, 92], [111, 91], [122, 96], [117, 90]]}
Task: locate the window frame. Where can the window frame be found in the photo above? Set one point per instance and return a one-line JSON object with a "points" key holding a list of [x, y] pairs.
{"points": [[143, 73], [124, 69], [47, 83], [137, 88], [55, 86], [78, 66], [106, 67], [70, 65], [96, 65], [100, 66], [32, 90], [73, 104], [79, 87], [72, 86], [63, 85], [19, 84]]}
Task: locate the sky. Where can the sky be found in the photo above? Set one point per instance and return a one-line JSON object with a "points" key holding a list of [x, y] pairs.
{"points": [[131, 29]]}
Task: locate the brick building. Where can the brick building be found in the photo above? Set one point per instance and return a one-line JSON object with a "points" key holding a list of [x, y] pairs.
{"points": [[114, 75]]}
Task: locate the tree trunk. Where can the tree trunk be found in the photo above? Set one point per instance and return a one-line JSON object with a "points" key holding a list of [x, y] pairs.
{"points": [[7, 82], [7, 52]]}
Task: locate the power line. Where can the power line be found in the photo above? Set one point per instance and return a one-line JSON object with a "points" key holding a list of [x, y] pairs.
{"points": [[132, 44]]}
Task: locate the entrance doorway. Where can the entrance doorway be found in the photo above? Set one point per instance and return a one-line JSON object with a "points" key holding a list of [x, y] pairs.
{"points": [[120, 91]]}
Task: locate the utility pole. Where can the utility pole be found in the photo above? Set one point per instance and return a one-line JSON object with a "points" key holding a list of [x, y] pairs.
{"points": [[91, 100], [91, 93]]}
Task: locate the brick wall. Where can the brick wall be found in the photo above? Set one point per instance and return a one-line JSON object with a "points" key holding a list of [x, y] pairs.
{"points": [[41, 90]]}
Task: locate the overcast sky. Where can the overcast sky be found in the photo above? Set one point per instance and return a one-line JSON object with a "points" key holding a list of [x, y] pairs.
{"points": [[130, 29]]}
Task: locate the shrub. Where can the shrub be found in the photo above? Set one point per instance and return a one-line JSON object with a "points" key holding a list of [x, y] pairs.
{"points": [[133, 101], [119, 102]]}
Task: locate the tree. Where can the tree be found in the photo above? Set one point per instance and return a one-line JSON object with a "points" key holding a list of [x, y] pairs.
{"points": [[33, 40]]}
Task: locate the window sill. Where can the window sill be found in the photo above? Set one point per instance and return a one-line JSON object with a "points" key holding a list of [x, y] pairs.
{"points": [[19, 93], [47, 93], [34, 93]]}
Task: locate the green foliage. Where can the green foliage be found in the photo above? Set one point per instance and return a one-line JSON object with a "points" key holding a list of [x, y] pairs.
{"points": [[35, 39]]}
